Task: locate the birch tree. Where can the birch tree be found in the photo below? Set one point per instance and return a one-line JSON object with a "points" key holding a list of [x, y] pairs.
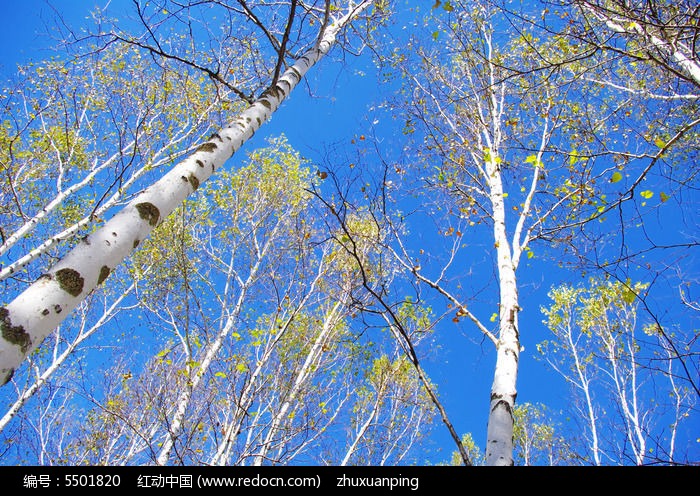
{"points": [[597, 346], [662, 33], [644, 60], [539, 439], [61, 118], [269, 367], [32, 314], [55, 124], [543, 138], [466, 109], [520, 131]]}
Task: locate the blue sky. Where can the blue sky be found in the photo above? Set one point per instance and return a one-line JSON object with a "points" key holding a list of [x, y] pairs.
{"points": [[341, 108], [342, 95]]}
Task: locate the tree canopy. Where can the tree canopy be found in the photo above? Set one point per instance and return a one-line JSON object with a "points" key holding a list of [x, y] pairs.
{"points": [[494, 266]]}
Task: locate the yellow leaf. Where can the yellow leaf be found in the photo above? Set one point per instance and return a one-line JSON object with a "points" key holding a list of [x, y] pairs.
{"points": [[628, 296], [616, 177]]}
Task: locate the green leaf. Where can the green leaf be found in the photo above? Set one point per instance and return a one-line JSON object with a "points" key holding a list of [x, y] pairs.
{"points": [[532, 159], [646, 194], [617, 176], [436, 34], [573, 158], [448, 6], [441, 176], [664, 196], [628, 296]]}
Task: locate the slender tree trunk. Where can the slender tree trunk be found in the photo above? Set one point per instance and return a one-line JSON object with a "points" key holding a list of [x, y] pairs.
{"points": [[364, 427], [301, 379], [212, 351], [59, 359], [160, 158], [499, 437], [584, 385], [33, 314], [197, 374], [499, 447]]}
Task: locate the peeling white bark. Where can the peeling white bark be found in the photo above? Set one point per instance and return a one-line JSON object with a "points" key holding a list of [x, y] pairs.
{"points": [[31, 316]]}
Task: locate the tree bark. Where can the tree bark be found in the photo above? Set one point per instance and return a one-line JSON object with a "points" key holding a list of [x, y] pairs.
{"points": [[33, 314], [499, 448]]}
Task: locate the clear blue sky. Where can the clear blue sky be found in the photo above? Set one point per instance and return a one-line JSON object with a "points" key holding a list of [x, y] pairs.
{"points": [[339, 110]]}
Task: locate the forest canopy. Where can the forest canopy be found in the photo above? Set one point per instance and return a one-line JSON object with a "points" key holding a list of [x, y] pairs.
{"points": [[352, 233]]}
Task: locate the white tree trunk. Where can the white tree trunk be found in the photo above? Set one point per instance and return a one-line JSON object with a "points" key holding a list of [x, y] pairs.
{"points": [[33, 314], [197, 373], [499, 442], [301, 379], [680, 52], [360, 434], [159, 159], [60, 358]]}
